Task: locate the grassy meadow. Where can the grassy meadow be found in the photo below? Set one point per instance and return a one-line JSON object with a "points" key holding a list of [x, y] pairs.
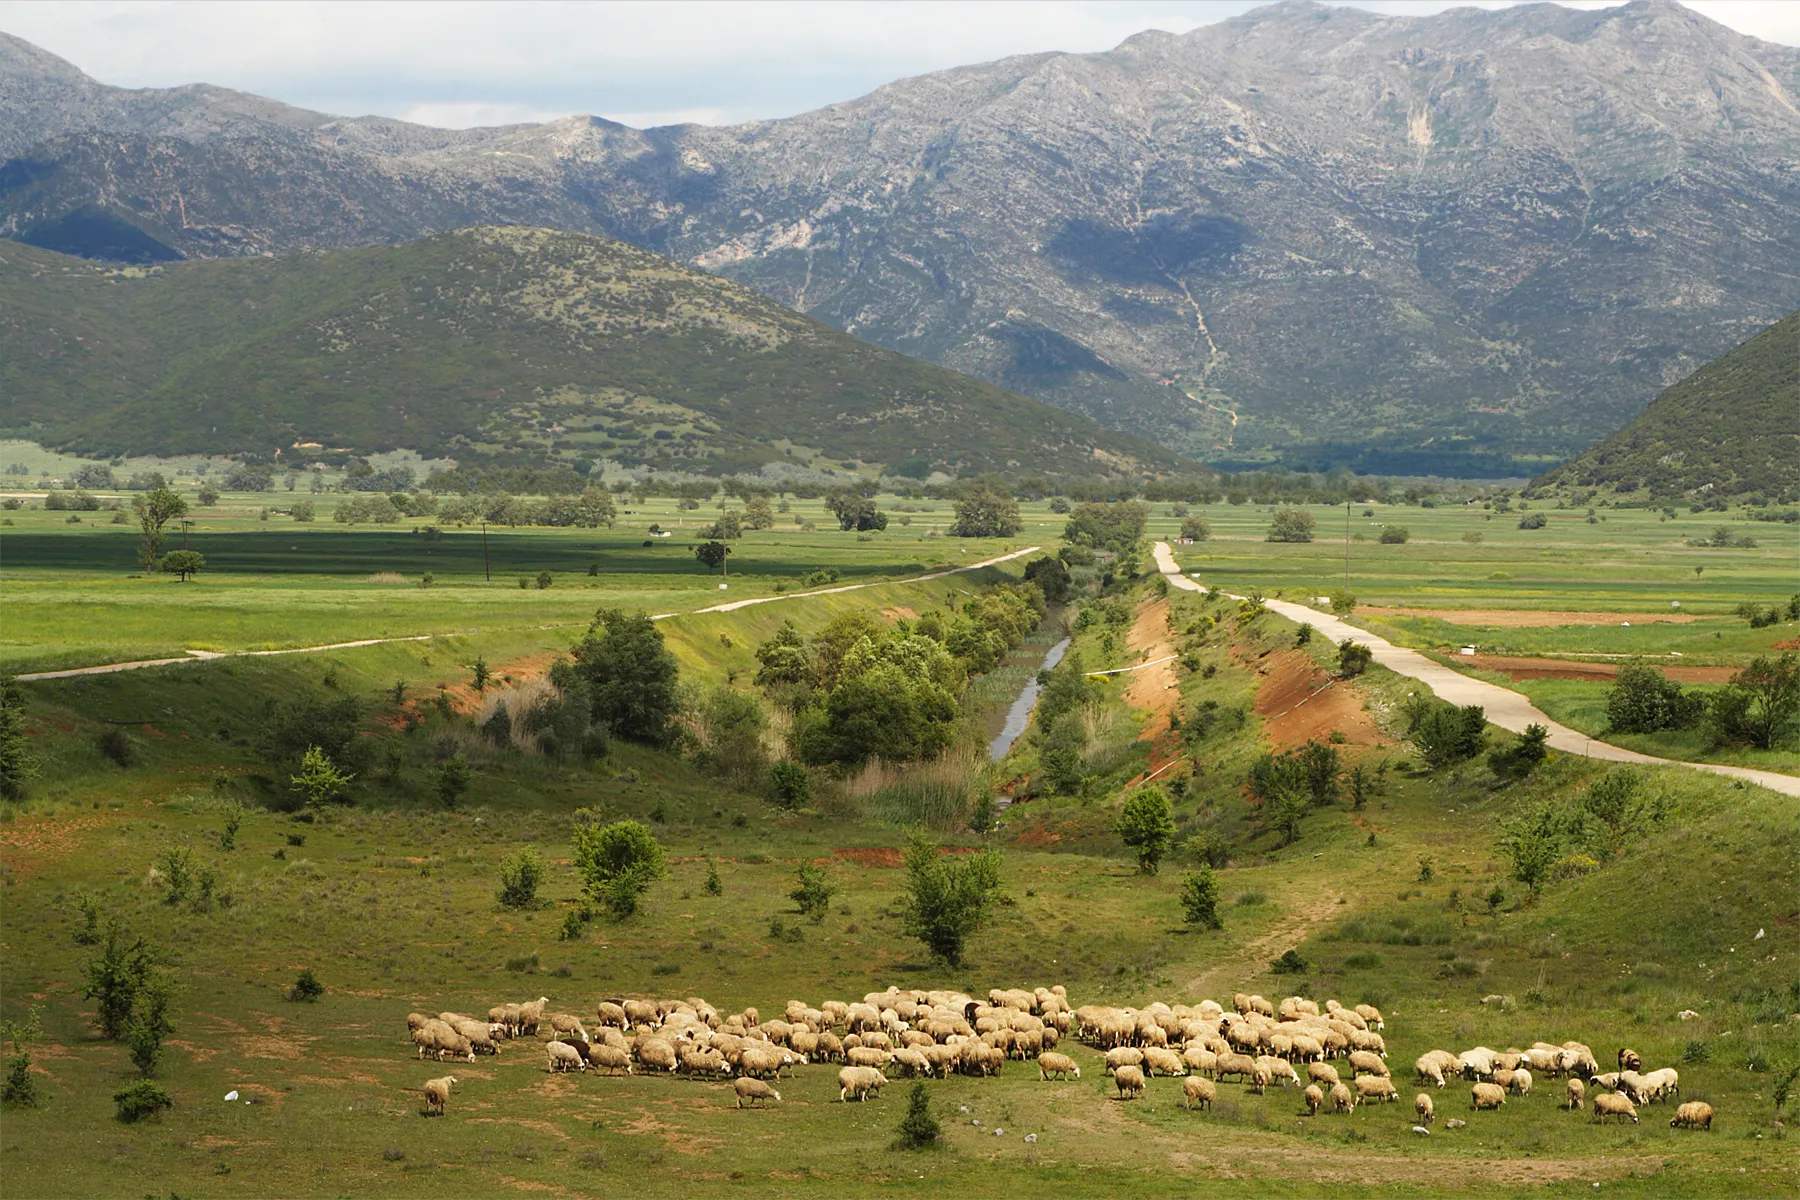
{"points": [[1405, 903]]}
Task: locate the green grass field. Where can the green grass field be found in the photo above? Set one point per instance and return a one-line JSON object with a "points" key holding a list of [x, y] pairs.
{"points": [[392, 901]]}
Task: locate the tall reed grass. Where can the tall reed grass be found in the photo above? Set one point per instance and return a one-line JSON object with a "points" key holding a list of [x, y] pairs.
{"points": [[936, 794]]}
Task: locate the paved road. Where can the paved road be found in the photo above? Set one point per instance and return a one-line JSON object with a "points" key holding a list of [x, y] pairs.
{"points": [[731, 606], [1506, 708]]}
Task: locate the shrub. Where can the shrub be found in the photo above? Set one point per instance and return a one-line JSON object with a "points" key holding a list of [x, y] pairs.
{"points": [[150, 1023], [1291, 525], [630, 675], [1643, 700], [1304, 634], [1393, 535], [176, 866], [20, 1088], [453, 778], [307, 988], [520, 874], [918, 1129], [617, 862], [1445, 734], [1208, 847], [18, 765], [1520, 759], [714, 885], [116, 745], [1759, 703], [946, 899], [813, 891], [1146, 823], [1533, 520], [234, 820], [1353, 658], [139, 1100], [1200, 898], [1290, 963], [319, 782]]}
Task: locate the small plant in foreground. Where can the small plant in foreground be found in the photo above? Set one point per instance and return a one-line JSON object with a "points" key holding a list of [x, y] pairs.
{"points": [[307, 987], [919, 1130], [139, 1100]]}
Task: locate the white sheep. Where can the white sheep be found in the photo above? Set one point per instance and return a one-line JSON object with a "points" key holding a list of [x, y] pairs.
{"points": [[1197, 1092], [1428, 1069], [1341, 1099], [1692, 1114], [608, 1057], [1665, 1081], [1130, 1082], [531, 1015], [437, 1091], [1521, 1082], [1375, 1087], [1060, 1065], [1575, 1092], [1368, 1062], [1487, 1095], [1614, 1104], [1314, 1098], [753, 1090], [560, 1056], [1422, 1106], [863, 1082]]}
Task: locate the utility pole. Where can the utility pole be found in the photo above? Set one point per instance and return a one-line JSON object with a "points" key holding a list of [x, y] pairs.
{"points": [[490, 574], [185, 526], [1346, 548]]}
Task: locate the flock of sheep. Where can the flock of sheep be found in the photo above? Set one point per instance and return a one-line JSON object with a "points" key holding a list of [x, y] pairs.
{"points": [[935, 1033]]}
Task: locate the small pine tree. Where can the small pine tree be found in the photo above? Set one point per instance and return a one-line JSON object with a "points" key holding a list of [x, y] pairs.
{"points": [[307, 988], [150, 1023], [481, 675], [714, 885], [520, 875], [453, 779], [813, 892], [20, 1089], [919, 1130]]}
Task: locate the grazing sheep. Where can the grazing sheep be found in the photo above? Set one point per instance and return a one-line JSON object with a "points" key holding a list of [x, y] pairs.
{"points": [[1368, 1062], [1280, 1070], [437, 1091], [867, 1056], [1061, 1065], [1200, 1059], [1307, 1048], [1636, 1086], [1665, 1081], [1521, 1082], [1375, 1087], [1477, 1063], [560, 1056], [1130, 1082], [1197, 1092], [1576, 1091], [1423, 1108], [441, 1040], [416, 1022], [1371, 1015], [610, 1012], [912, 1060], [1630, 1060], [1158, 1061], [531, 1015], [1241, 1065], [565, 1027], [1259, 1079], [1503, 1077], [1123, 1056], [655, 1052], [1614, 1104], [1609, 1081], [1341, 1099], [1487, 1095], [1426, 1065], [1323, 1073], [640, 1012], [863, 1082], [610, 1058], [1692, 1114], [1543, 1060], [1314, 1098], [753, 1090], [480, 1035]]}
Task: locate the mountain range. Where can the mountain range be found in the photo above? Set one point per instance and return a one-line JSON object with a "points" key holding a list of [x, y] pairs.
{"points": [[498, 345], [1468, 243]]}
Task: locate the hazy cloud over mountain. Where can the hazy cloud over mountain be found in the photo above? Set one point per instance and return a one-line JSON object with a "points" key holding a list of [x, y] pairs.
{"points": [[641, 64]]}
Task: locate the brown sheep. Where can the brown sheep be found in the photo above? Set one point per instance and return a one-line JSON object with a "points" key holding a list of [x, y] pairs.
{"points": [[1692, 1114], [1130, 1082], [1630, 1060]]}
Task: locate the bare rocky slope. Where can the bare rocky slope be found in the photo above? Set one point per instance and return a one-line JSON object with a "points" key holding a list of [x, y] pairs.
{"points": [[1463, 243]]}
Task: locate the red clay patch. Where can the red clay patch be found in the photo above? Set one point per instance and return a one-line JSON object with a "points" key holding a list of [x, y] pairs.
{"points": [[1300, 703]]}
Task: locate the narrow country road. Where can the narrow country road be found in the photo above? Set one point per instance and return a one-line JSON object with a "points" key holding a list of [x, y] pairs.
{"points": [[732, 606], [1505, 708]]}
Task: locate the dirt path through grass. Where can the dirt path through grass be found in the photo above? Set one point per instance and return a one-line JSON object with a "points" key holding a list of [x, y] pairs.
{"points": [[1507, 709]]}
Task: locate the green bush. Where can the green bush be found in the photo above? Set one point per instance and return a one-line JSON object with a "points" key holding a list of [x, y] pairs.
{"points": [[520, 874], [947, 898], [789, 784], [918, 1129], [1290, 963], [1643, 700], [617, 862], [139, 1100], [1146, 823], [1353, 658], [813, 891], [307, 988], [1445, 734], [1200, 898]]}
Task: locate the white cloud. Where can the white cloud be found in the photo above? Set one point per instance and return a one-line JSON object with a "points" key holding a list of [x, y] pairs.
{"points": [[463, 62]]}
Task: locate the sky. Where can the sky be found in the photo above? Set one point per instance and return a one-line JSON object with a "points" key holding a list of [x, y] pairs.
{"points": [[475, 62]]}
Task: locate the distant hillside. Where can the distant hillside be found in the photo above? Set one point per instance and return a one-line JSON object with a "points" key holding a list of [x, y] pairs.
{"points": [[496, 344], [1732, 426]]}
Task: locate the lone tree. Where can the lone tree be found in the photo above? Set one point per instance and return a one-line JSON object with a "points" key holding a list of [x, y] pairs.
{"points": [[617, 862], [947, 897], [1147, 824], [1200, 897], [319, 781], [18, 765], [813, 891], [918, 1129], [712, 555], [986, 513], [454, 778], [1533, 842], [630, 675], [183, 563], [155, 509], [1291, 525], [1195, 529]]}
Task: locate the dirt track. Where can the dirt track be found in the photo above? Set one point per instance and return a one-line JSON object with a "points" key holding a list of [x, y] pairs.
{"points": [[1564, 668]]}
